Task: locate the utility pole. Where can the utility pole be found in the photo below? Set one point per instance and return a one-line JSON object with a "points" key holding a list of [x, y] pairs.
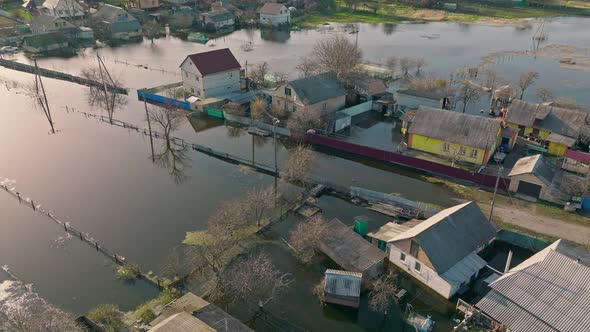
{"points": [[105, 89], [42, 101], [147, 115], [495, 191]]}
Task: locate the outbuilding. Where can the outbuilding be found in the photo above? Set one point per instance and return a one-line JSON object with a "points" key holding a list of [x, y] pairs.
{"points": [[531, 177], [274, 14], [343, 288]]}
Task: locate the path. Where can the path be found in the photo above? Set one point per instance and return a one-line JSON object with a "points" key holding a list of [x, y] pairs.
{"points": [[542, 224]]}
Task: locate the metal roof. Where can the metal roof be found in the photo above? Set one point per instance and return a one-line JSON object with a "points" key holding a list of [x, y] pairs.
{"points": [[465, 129], [271, 8], [348, 249], [578, 155], [451, 235], [189, 302], [534, 165], [216, 61], [548, 292], [181, 322], [428, 94], [388, 231], [343, 283], [464, 269], [317, 88], [557, 138], [220, 320], [566, 122]]}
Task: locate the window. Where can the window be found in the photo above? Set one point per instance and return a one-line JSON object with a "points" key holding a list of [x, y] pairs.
{"points": [[474, 153], [446, 147], [462, 150], [414, 247], [287, 92], [402, 256], [417, 266], [293, 108], [285, 106], [197, 77]]}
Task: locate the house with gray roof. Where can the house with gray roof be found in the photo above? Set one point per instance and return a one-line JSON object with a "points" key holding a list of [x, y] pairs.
{"points": [[453, 135], [218, 19], [343, 288], [118, 23], [47, 23], [442, 251], [45, 43], [546, 293], [66, 9], [559, 127], [322, 92]]}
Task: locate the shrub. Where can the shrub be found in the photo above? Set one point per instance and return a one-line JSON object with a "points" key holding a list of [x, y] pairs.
{"points": [[128, 271], [145, 313], [107, 315]]}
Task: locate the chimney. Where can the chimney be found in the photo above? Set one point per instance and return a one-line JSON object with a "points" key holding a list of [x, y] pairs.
{"points": [[507, 267]]}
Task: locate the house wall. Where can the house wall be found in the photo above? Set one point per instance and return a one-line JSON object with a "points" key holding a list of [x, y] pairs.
{"points": [[435, 146], [220, 24], [576, 166], [275, 20], [556, 149], [211, 85], [426, 275], [147, 4], [515, 180], [293, 103]]}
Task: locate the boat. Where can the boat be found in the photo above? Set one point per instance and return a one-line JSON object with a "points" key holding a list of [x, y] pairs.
{"points": [[198, 37], [259, 132]]}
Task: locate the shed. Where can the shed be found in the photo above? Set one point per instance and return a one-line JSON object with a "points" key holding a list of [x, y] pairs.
{"points": [[576, 161], [531, 177], [343, 288], [384, 234], [350, 251]]}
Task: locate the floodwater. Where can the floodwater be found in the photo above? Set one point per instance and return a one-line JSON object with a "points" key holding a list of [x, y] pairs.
{"points": [[102, 179]]}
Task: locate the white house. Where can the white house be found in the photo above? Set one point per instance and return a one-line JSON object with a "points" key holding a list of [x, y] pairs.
{"points": [[274, 14], [66, 9], [441, 252], [211, 74]]}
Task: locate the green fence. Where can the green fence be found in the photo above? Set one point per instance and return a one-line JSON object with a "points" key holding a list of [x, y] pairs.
{"points": [[521, 240], [214, 112]]}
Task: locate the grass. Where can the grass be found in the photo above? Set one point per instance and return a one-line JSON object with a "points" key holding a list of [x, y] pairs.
{"points": [[144, 313], [467, 12], [128, 271]]}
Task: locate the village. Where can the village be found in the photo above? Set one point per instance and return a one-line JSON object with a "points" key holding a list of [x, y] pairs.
{"points": [[288, 247]]}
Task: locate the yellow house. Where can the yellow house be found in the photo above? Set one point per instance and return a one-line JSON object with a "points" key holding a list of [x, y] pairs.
{"points": [[558, 127], [455, 136]]}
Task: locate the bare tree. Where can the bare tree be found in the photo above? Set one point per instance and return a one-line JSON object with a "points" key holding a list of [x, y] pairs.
{"points": [[565, 102], [419, 63], [174, 158], [391, 64], [527, 79], [152, 29], [427, 83], [39, 319], [336, 54], [454, 154], [303, 120], [544, 94], [351, 4], [307, 66], [108, 100], [254, 279], [383, 291], [168, 119], [298, 164], [259, 73], [574, 185], [405, 65], [305, 238], [258, 203], [468, 93], [258, 108]]}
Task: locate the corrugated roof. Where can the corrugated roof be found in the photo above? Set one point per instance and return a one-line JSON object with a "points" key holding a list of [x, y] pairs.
{"points": [[220, 320], [464, 269], [181, 322], [451, 235], [428, 94], [548, 292], [47, 23], [343, 283], [219, 15], [566, 122], [348, 249], [533, 165], [557, 138], [321, 87], [216, 61], [388, 231], [271, 8], [578, 155], [189, 302], [465, 129], [112, 14]]}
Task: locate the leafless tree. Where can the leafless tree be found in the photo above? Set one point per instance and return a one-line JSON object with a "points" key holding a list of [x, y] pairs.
{"points": [[454, 154], [279, 112], [305, 238], [174, 158], [405, 65], [298, 164], [383, 291], [258, 108], [39, 319], [427, 83], [303, 120], [151, 29], [258, 203], [308, 67], [544, 94], [109, 100], [565, 102], [467, 94], [254, 279], [336, 54], [351, 4], [419, 63], [259, 73], [391, 64], [527, 79], [168, 119], [575, 185]]}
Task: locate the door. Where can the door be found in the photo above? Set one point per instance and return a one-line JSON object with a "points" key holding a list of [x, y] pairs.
{"points": [[529, 189]]}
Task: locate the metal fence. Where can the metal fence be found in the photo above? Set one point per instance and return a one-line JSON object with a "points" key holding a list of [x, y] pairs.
{"points": [[159, 99]]}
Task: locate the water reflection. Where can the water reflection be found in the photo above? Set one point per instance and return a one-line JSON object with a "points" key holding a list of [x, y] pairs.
{"points": [[388, 29], [275, 35], [174, 158]]}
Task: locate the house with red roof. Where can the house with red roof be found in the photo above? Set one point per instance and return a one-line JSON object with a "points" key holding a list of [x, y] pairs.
{"points": [[576, 161], [211, 74], [274, 14]]}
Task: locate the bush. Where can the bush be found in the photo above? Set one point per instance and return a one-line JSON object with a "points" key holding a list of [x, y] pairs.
{"points": [[166, 296], [128, 271], [107, 315], [145, 313]]}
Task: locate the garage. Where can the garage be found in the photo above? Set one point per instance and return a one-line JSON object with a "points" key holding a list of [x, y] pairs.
{"points": [[529, 189]]}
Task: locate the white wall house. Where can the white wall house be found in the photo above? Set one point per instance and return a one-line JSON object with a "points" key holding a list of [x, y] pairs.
{"points": [[66, 9], [441, 252], [211, 74], [274, 14]]}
